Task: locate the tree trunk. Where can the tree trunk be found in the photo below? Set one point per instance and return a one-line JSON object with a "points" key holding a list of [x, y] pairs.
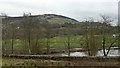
{"points": [[103, 44], [29, 42], [68, 45], [12, 42], [48, 46], [110, 47]]}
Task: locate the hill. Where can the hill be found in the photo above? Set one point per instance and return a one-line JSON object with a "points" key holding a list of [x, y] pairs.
{"points": [[51, 18]]}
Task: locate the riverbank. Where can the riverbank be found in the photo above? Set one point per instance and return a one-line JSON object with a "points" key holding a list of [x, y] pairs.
{"points": [[65, 58], [54, 51], [61, 61]]}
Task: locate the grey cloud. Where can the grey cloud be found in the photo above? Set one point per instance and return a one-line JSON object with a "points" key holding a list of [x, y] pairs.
{"points": [[78, 9]]}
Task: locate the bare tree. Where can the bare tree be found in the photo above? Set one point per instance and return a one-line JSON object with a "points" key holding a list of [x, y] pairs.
{"points": [[38, 34], [9, 29], [68, 34], [27, 29], [68, 43], [13, 27], [91, 41], [106, 20], [4, 33], [48, 34]]}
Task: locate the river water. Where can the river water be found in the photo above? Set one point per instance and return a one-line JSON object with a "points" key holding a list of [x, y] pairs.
{"points": [[99, 53]]}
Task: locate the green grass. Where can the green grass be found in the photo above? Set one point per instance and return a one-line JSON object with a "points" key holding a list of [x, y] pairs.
{"points": [[61, 21], [61, 42]]}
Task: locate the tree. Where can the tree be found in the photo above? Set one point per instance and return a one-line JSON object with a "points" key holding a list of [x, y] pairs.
{"points": [[38, 35], [91, 41], [106, 20], [48, 33], [13, 28], [68, 34], [68, 41], [4, 35], [29, 26], [9, 27]]}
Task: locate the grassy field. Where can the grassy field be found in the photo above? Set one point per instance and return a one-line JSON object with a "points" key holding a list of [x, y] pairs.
{"points": [[39, 62], [61, 42]]}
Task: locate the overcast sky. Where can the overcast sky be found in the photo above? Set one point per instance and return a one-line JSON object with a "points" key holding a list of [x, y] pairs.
{"points": [[77, 9]]}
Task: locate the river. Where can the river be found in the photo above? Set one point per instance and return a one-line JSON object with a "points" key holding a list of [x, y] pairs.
{"points": [[99, 53]]}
